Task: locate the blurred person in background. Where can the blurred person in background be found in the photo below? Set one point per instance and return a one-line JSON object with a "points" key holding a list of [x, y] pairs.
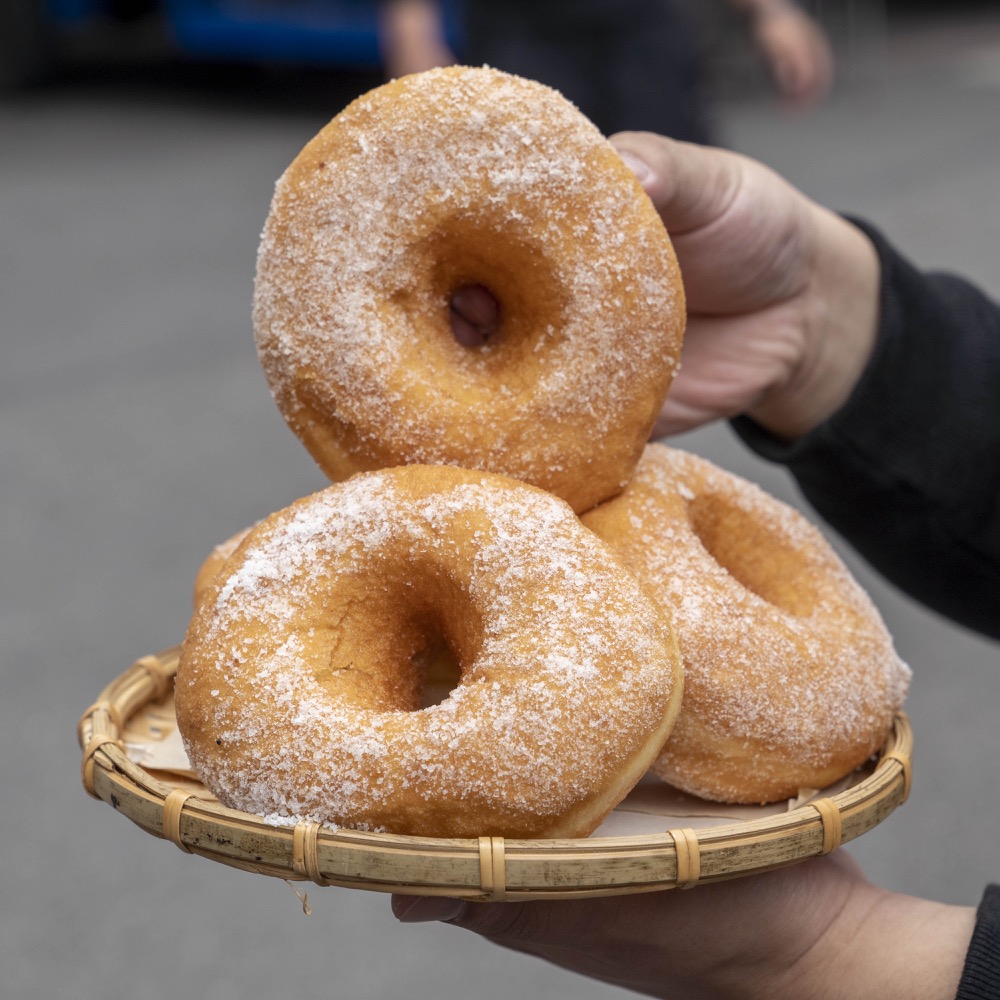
{"points": [[630, 64]]}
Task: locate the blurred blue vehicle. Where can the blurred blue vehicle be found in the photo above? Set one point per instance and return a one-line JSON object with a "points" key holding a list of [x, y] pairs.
{"points": [[323, 33]]}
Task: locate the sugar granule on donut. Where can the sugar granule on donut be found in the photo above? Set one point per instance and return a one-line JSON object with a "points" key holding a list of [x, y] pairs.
{"points": [[299, 687], [791, 677], [433, 184]]}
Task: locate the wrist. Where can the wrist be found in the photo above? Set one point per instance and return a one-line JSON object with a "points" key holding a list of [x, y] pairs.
{"points": [[884, 944]]}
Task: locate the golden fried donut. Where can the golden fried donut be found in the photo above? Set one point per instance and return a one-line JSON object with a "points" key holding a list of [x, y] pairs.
{"points": [[215, 560], [453, 179], [299, 687], [791, 679]]}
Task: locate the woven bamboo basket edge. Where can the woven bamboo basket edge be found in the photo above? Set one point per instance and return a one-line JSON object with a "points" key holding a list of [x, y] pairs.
{"points": [[484, 868]]}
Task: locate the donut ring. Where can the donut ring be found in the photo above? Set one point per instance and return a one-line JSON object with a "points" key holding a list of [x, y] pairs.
{"points": [[298, 689], [458, 178], [791, 679], [215, 560]]}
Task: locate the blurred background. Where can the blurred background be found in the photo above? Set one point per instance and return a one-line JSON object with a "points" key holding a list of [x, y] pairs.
{"points": [[139, 143]]}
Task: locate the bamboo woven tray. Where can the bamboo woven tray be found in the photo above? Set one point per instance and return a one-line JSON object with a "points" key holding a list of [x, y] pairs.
{"points": [[174, 806]]}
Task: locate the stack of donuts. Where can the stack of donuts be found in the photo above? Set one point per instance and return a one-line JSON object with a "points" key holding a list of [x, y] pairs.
{"points": [[508, 607]]}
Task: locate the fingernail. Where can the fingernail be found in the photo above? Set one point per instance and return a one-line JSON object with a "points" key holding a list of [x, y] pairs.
{"points": [[638, 167], [425, 909]]}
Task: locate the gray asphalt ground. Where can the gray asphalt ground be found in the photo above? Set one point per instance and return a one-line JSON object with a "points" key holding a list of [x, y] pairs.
{"points": [[137, 432]]}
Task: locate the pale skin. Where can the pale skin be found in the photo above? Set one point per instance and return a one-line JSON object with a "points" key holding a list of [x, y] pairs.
{"points": [[816, 931], [783, 300], [412, 37], [782, 294], [793, 47]]}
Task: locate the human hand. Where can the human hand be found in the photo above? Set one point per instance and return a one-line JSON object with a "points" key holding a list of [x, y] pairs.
{"points": [[814, 930], [795, 50], [412, 37], [782, 294]]}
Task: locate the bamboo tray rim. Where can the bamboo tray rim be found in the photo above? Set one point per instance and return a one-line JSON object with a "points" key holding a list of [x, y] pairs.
{"points": [[483, 868]]}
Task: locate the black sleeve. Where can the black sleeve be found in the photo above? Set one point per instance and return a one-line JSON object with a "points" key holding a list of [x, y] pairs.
{"points": [[908, 470], [981, 973]]}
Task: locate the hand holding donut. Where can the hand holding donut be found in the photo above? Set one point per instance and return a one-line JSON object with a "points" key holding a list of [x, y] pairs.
{"points": [[782, 294]]}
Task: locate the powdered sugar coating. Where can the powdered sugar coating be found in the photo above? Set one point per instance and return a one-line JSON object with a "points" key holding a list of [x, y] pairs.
{"points": [[444, 179], [298, 688], [791, 679]]}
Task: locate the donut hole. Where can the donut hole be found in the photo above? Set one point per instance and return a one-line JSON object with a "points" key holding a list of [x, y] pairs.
{"points": [[756, 555], [474, 312], [438, 665], [399, 643], [501, 303], [444, 646]]}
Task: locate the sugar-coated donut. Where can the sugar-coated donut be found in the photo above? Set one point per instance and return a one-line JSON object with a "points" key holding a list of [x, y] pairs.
{"points": [[791, 679], [215, 560], [453, 179], [298, 690]]}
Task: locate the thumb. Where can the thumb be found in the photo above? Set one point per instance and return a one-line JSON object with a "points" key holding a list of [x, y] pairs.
{"points": [[690, 185]]}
